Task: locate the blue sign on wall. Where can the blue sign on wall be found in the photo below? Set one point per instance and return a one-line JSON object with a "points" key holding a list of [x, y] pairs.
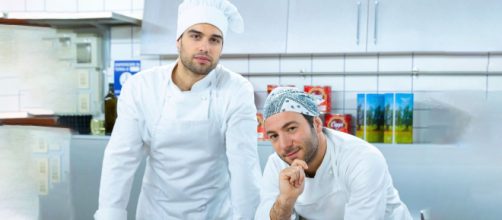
{"points": [[123, 69]]}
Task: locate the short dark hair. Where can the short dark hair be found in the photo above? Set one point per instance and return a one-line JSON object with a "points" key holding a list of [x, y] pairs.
{"points": [[310, 119]]}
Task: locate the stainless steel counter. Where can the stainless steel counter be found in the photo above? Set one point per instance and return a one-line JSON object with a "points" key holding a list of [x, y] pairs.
{"points": [[452, 181], [50, 174]]}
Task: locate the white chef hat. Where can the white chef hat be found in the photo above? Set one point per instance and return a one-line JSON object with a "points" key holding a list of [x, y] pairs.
{"points": [[220, 13]]}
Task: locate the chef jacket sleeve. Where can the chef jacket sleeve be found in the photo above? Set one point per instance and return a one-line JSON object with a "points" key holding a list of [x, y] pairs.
{"points": [[367, 183], [241, 151], [121, 158]]}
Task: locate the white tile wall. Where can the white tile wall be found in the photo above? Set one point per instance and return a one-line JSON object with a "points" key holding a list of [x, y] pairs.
{"points": [[437, 63], [61, 5], [268, 64], [338, 102], [334, 64], [9, 5], [136, 51], [9, 85], [448, 83], [395, 63], [129, 7], [137, 5], [91, 5], [125, 44], [336, 82], [350, 99], [296, 64], [297, 81], [136, 34], [118, 5], [361, 83], [494, 83], [9, 103], [239, 65], [495, 63], [355, 63], [121, 52], [394, 84], [149, 62], [35, 5]]}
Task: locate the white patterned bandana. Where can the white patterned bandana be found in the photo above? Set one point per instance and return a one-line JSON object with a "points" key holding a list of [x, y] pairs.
{"points": [[290, 99]]}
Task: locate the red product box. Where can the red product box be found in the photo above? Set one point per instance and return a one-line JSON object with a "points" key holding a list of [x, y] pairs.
{"points": [[271, 87], [324, 93], [261, 127], [339, 122]]}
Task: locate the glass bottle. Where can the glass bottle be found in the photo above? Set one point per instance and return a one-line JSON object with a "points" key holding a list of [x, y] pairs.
{"points": [[110, 109]]}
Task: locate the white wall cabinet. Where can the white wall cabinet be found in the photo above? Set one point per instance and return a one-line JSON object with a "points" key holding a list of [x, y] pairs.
{"points": [[434, 26], [327, 26], [344, 26], [264, 28]]}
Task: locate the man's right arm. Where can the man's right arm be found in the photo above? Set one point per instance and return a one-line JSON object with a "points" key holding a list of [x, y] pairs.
{"points": [[282, 208], [121, 159], [280, 189], [291, 184]]}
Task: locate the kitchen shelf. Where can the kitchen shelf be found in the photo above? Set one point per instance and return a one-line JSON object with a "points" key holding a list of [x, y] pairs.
{"points": [[68, 20], [391, 146], [393, 73]]}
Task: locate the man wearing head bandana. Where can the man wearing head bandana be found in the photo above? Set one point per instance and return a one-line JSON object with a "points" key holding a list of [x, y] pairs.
{"points": [[320, 173], [195, 121]]}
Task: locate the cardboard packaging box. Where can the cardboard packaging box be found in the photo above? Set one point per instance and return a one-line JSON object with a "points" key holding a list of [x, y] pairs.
{"points": [[339, 122], [323, 93], [398, 123], [261, 127], [370, 117]]}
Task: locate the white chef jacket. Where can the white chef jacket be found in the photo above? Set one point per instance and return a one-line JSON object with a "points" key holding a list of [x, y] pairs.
{"points": [[202, 160], [352, 183]]}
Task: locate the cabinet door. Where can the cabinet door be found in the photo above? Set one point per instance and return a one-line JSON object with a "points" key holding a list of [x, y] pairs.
{"points": [[435, 26], [158, 28], [264, 28], [326, 26]]}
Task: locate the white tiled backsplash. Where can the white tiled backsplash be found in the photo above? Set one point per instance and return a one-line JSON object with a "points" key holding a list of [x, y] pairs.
{"points": [[72, 5], [347, 74]]}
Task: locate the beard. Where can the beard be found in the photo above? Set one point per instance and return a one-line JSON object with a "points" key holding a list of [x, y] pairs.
{"points": [[312, 144], [196, 68]]}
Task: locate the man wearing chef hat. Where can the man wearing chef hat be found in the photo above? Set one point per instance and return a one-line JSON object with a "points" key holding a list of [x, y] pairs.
{"points": [[320, 173], [196, 122]]}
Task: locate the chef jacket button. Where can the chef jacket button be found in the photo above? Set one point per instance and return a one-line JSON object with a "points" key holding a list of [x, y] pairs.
{"points": [[202, 208], [203, 98], [331, 172]]}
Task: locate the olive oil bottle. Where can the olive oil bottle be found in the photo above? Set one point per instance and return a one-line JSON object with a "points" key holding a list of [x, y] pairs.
{"points": [[110, 109]]}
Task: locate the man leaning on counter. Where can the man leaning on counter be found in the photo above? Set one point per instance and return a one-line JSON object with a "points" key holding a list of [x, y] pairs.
{"points": [[196, 122], [320, 173]]}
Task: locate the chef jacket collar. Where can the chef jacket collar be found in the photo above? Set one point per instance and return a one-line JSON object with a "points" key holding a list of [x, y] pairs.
{"points": [[200, 85]]}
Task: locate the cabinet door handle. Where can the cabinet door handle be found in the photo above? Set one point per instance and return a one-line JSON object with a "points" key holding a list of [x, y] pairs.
{"points": [[376, 23], [358, 30]]}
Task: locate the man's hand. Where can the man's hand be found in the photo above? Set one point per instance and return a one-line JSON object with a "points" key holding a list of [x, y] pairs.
{"points": [[291, 180], [291, 184]]}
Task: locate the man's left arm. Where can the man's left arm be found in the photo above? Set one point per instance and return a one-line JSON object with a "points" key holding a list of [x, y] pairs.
{"points": [[367, 183], [242, 154]]}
